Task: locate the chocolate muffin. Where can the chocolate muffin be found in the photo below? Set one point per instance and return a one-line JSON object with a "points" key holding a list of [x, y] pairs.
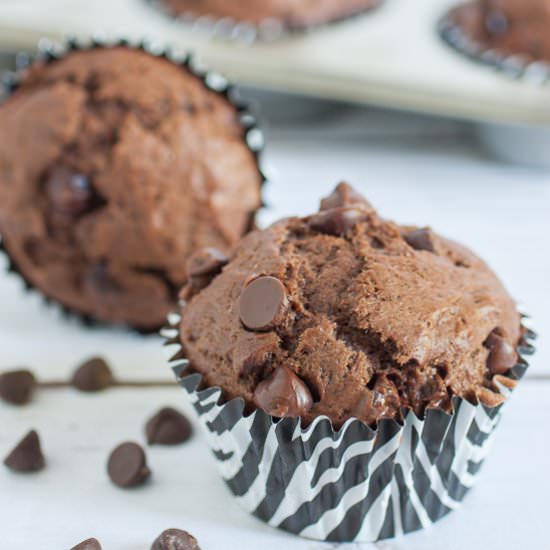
{"points": [[290, 13], [346, 314], [115, 165], [508, 26]]}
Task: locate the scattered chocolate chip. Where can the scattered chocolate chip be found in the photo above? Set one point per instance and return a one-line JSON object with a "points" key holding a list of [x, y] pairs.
{"points": [[27, 455], [168, 427], [92, 376], [17, 387], [344, 195], [337, 221], [502, 356], [127, 465], [420, 239], [175, 539], [207, 261], [263, 304], [69, 193], [283, 394], [89, 544]]}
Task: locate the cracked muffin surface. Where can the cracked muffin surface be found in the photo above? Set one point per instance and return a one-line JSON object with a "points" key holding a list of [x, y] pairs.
{"points": [[291, 13], [346, 314], [114, 166]]}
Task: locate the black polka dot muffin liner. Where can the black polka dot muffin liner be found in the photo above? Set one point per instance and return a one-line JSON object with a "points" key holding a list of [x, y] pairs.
{"points": [[245, 31], [519, 67], [50, 52], [355, 483]]}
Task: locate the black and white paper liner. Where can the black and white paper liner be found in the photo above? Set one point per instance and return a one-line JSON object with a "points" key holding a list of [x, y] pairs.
{"points": [[353, 484], [50, 52], [517, 67], [227, 28]]}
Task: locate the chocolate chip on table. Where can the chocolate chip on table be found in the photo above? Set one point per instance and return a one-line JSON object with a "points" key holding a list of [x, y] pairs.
{"points": [[17, 387], [420, 239], [168, 427], [283, 394], [27, 455], [70, 193], [502, 355], [89, 544], [206, 261], [344, 195], [92, 376], [175, 539], [263, 304], [127, 465], [338, 221]]}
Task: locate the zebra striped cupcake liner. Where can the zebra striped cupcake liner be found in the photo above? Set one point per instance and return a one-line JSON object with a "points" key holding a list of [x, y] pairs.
{"points": [[50, 52], [352, 484], [227, 28], [518, 67]]}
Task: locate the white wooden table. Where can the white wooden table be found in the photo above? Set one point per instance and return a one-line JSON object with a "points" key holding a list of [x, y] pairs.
{"points": [[413, 170]]}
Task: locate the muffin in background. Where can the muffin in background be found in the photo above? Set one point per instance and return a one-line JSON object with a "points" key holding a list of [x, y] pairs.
{"points": [[115, 165], [292, 14], [348, 372], [511, 27]]}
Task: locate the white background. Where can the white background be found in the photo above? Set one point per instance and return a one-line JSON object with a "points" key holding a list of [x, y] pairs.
{"points": [[413, 170]]}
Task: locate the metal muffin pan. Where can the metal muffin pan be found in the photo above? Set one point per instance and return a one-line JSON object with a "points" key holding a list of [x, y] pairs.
{"points": [[393, 57]]}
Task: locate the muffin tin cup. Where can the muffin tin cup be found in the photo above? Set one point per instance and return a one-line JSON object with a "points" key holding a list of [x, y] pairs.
{"points": [[518, 67], [355, 483], [244, 31], [49, 52]]}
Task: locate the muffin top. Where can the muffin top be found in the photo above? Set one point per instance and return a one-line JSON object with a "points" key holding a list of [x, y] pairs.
{"points": [[510, 26], [114, 166], [346, 314], [292, 13]]}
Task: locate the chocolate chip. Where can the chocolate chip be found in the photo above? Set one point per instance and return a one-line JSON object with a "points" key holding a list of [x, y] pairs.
{"points": [[370, 407], [69, 193], [92, 376], [17, 387], [502, 356], [283, 394], [207, 261], [420, 239], [338, 221], [127, 465], [175, 539], [168, 427], [263, 304], [89, 544], [27, 455], [496, 22], [344, 195]]}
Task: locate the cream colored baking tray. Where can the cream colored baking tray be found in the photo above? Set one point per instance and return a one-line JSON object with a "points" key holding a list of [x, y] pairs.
{"points": [[391, 57]]}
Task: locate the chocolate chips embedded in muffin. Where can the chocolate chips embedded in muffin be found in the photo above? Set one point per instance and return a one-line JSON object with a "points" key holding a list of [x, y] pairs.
{"points": [[512, 27], [363, 322], [115, 165]]}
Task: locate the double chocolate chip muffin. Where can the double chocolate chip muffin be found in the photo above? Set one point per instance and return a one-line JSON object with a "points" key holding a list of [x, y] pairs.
{"points": [[346, 314], [290, 13], [115, 165], [508, 26]]}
